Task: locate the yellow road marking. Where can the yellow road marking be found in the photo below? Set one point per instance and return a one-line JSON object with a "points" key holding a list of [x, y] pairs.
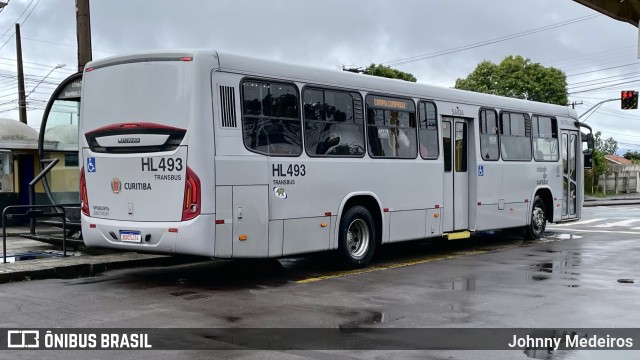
{"points": [[391, 266]]}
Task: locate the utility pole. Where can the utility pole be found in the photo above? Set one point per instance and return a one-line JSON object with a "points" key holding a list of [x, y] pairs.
{"points": [[83, 28], [22, 99]]}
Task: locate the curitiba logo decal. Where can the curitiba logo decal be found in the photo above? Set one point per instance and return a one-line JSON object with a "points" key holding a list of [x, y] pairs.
{"points": [[280, 193], [116, 185]]}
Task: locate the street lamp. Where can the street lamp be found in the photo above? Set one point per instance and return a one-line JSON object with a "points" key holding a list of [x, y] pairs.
{"points": [[46, 76]]}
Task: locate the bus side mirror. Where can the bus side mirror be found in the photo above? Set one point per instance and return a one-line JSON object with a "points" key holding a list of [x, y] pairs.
{"points": [[590, 143], [588, 161]]}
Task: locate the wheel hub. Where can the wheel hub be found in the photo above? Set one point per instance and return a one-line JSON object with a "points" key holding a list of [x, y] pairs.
{"points": [[358, 239]]}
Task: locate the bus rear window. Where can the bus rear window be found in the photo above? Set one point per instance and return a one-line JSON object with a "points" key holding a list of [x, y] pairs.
{"points": [[271, 118], [158, 92]]}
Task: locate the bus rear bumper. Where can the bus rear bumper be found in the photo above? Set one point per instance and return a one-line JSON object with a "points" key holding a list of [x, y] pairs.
{"points": [[194, 237]]}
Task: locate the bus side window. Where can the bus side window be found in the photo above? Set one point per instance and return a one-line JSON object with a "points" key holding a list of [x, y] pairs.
{"points": [[515, 136], [545, 138], [333, 123], [489, 135], [270, 118], [428, 130], [391, 127]]}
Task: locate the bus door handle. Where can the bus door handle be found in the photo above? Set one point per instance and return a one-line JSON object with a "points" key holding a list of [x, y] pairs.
{"points": [[239, 213]]}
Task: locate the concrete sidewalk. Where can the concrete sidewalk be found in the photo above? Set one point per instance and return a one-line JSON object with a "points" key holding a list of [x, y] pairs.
{"points": [[29, 259], [617, 199]]}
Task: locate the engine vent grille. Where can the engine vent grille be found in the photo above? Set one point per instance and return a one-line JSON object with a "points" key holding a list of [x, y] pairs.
{"points": [[228, 106]]}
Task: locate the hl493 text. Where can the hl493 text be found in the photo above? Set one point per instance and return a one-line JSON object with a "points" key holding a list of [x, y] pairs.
{"points": [[165, 164], [291, 171]]}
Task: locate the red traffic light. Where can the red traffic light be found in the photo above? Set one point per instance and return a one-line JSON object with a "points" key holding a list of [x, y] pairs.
{"points": [[628, 99]]}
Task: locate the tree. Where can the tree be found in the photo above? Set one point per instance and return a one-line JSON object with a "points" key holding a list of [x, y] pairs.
{"points": [[606, 147], [634, 156], [631, 155], [389, 72], [519, 78], [600, 166]]}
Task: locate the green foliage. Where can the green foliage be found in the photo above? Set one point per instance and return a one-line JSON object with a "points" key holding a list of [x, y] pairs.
{"points": [[598, 167], [599, 163], [606, 147], [634, 156], [389, 72], [519, 78]]}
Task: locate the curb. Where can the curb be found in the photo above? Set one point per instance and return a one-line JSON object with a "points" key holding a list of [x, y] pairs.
{"points": [[610, 202], [85, 266]]}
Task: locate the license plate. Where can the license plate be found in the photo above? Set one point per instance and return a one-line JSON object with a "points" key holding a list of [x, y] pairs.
{"points": [[130, 236]]}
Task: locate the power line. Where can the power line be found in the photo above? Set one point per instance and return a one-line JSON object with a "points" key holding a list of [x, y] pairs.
{"points": [[574, 87], [609, 68], [17, 20], [5, 5], [604, 87], [593, 81], [488, 42], [67, 45]]}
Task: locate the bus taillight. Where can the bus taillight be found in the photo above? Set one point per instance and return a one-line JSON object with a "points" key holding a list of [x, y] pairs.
{"points": [[191, 205], [84, 199]]}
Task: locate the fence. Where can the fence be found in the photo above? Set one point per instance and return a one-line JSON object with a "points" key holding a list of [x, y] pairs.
{"points": [[620, 179]]}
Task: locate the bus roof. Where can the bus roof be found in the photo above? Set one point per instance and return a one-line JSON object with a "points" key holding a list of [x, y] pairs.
{"points": [[318, 76]]}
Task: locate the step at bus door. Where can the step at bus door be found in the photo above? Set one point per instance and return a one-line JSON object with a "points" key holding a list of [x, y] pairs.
{"points": [[569, 149], [456, 174]]}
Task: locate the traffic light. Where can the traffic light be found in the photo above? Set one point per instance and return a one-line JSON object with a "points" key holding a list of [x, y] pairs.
{"points": [[628, 100]]}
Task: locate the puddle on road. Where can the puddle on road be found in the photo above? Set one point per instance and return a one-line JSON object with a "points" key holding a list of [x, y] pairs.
{"points": [[561, 266], [464, 284], [539, 277], [560, 236], [34, 255], [625, 281], [369, 318]]}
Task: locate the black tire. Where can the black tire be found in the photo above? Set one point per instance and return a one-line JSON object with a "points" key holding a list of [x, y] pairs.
{"points": [[357, 238], [538, 223]]}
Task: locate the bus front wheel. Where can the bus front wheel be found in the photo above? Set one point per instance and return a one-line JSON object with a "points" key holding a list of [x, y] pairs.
{"points": [[535, 229], [357, 238]]}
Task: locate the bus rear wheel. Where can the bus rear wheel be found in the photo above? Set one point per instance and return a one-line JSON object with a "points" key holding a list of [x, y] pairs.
{"points": [[535, 229], [357, 238]]}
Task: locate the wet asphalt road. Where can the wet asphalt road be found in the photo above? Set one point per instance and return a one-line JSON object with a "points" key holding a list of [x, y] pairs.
{"points": [[568, 280]]}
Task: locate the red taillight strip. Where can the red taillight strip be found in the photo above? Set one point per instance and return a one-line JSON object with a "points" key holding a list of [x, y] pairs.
{"points": [[192, 196], [137, 126], [84, 199]]}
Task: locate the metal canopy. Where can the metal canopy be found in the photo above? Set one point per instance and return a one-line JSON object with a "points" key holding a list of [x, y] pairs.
{"points": [[625, 10]]}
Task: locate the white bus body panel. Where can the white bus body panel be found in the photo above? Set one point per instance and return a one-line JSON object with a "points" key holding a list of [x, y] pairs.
{"points": [[122, 187], [159, 89], [252, 206]]}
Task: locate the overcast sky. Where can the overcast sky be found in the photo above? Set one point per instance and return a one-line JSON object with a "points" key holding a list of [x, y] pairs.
{"points": [[594, 51]]}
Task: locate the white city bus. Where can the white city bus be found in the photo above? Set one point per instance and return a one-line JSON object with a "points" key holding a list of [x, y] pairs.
{"points": [[206, 153]]}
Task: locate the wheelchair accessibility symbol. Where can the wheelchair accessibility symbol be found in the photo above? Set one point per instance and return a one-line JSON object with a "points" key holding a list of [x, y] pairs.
{"points": [[91, 164], [480, 170]]}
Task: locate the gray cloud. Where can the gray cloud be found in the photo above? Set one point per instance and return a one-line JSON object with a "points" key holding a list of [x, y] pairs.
{"points": [[331, 33]]}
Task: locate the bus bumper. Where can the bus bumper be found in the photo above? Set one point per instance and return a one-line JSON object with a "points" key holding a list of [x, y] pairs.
{"points": [[194, 237]]}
